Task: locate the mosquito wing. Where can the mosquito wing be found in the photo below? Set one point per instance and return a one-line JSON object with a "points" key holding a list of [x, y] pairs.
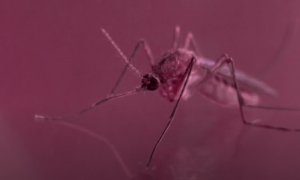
{"points": [[244, 80]]}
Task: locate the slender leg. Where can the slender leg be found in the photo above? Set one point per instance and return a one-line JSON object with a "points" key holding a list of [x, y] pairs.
{"points": [[190, 40], [229, 61], [149, 55], [272, 108], [176, 37], [187, 75], [39, 117]]}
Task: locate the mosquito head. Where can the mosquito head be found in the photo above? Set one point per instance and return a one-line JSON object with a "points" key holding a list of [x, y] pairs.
{"points": [[150, 82]]}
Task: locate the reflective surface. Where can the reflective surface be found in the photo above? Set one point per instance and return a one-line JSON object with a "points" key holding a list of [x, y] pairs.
{"points": [[55, 61]]}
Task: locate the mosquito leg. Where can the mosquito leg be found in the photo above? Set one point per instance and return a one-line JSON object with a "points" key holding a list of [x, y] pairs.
{"points": [[190, 40], [176, 37], [39, 117], [217, 65], [229, 61], [149, 55], [272, 108], [187, 75]]}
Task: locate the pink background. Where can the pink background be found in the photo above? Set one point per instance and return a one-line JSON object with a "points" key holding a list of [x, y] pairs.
{"points": [[55, 61]]}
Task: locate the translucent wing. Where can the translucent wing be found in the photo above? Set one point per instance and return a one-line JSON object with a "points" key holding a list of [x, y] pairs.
{"points": [[243, 79]]}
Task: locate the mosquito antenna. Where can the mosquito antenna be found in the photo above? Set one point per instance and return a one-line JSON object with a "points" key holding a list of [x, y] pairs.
{"points": [[39, 117], [121, 53], [103, 139]]}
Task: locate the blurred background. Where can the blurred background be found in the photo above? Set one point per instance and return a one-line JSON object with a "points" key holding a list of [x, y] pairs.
{"points": [[54, 60]]}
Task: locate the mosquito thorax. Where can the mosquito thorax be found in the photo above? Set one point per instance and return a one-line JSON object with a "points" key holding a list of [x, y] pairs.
{"points": [[150, 82]]}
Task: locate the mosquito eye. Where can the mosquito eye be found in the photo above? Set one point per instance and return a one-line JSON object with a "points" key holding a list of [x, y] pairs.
{"points": [[154, 84], [150, 82]]}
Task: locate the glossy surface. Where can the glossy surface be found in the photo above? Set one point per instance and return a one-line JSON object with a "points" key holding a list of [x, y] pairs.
{"points": [[54, 60]]}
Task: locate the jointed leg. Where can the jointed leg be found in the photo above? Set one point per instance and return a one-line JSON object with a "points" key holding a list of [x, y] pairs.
{"points": [[111, 97], [229, 61], [186, 75], [190, 40], [272, 108], [149, 55]]}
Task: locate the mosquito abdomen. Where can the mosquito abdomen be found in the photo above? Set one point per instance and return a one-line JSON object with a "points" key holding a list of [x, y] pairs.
{"points": [[224, 93]]}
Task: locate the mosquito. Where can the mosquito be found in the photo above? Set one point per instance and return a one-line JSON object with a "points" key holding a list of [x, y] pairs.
{"points": [[183, 70]]}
